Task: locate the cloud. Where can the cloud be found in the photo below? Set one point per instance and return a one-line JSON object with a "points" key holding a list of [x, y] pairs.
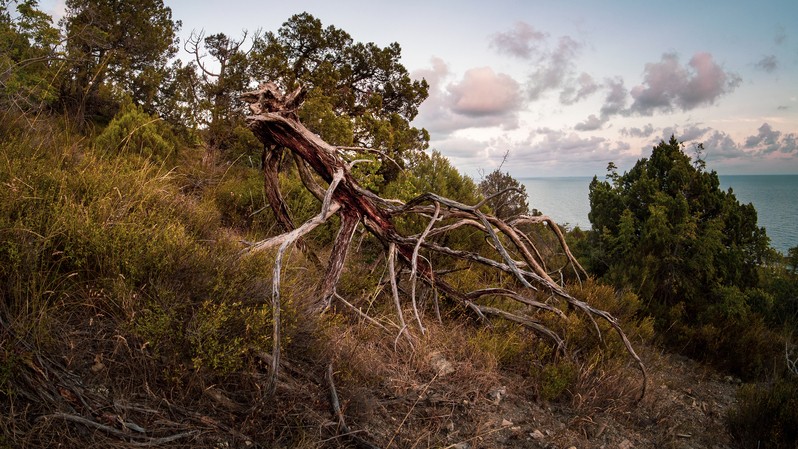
{"points": [[689, 133], [554, 69], [615, 101], [767, 141], [768, 64], [668, 85], [482, 92], [766, 147], [781, 35], [522, 41], [552, 62], [643, 132], [481, 99], [592, 123], [562, 147], [583, 87]]}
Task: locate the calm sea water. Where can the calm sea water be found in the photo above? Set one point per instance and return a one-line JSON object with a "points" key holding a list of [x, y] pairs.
{"points": [[775, 198]]}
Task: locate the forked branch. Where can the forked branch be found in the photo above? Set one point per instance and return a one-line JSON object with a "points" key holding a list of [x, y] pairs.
{"points": [[275, 122]]}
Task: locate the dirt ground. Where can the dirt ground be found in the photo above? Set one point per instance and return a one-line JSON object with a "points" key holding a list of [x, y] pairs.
{"points": [[684, 407]]}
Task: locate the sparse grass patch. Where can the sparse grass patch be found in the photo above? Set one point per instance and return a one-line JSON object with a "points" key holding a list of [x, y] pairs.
{"points": [[766, 415]]}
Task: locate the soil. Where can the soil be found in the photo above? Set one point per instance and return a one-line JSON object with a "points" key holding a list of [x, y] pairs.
{"points": [[685, 407]]}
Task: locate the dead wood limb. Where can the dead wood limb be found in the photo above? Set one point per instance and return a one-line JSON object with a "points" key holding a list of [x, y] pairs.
{"points": [[335, 267], [414, 262], [361, 313], [395, 293], [274, 122], [127, 436], [560, 237], [327, 210]]}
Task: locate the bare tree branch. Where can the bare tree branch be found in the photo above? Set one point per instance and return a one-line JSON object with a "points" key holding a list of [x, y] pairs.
{"points": [[275, 122]]}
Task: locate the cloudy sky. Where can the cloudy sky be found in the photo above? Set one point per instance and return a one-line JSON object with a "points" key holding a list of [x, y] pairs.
{"points": [[565, 87]]}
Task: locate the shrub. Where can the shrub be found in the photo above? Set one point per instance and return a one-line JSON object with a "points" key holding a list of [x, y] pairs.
{"points": [[766, 415], [134, 131]]}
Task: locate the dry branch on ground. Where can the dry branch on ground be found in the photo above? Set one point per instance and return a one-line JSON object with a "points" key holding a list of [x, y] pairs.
{"points": [[275, 122]]}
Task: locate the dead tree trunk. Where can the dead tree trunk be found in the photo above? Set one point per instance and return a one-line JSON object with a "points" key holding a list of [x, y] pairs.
{"points": [[274, 121]]}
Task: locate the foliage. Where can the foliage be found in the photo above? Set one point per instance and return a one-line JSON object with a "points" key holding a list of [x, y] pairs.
{"points": [[690, 250], [432, 173], [109, 228], [510, 203], [212, 88], [28, 57], [116, 44], [792, 259], [364, 85], [133, 130]]}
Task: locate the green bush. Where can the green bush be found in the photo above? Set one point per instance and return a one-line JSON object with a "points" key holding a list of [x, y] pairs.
{"points": [[556, 379], [241, 200], [134, 131]]}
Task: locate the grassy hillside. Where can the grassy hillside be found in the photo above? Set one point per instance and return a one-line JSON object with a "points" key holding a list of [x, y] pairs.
{"points": [[131, 316]]}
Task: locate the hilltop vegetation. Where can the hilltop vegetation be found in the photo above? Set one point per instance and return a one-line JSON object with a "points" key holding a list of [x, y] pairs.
{"points": [[131, 315]]}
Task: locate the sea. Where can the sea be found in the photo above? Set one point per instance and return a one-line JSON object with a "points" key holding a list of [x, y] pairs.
{"points": [[775, 198]]}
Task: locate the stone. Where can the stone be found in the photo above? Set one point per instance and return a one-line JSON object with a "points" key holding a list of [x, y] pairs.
{"points": [[498, 394], [441, 365], [537, 435]]}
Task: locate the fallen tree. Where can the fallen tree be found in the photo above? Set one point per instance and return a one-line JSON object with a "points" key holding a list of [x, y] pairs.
{"points": [[275, 122]]}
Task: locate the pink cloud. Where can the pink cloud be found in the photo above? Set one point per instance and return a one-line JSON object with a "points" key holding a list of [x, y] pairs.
{"points": [[482, 92], [481, 99], [668, 85]]}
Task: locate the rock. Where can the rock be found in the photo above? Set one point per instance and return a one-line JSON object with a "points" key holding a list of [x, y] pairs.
{"points": [[441, 365], [506, 423], [497, 394], [625, 444], [537, 435], [461, 446]]}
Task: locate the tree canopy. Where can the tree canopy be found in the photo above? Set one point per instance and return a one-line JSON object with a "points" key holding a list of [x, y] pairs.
{"points": [[358, 94], [115, 44], [667, 231], [28, 43], [511, 203]]}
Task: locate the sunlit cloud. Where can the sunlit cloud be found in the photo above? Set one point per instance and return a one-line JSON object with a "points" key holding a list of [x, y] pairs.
{"points": [[668, 85], [482, 92], [481, 99]]}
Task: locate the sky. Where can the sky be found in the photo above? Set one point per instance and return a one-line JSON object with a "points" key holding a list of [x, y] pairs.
{"points": [[562, 88]]}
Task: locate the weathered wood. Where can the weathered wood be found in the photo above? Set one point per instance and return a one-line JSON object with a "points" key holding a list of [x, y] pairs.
{"points": [[275, 122]]}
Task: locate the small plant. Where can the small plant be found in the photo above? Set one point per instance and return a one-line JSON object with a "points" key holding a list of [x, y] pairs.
{"points": [[134, 131], [556, 379]]}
